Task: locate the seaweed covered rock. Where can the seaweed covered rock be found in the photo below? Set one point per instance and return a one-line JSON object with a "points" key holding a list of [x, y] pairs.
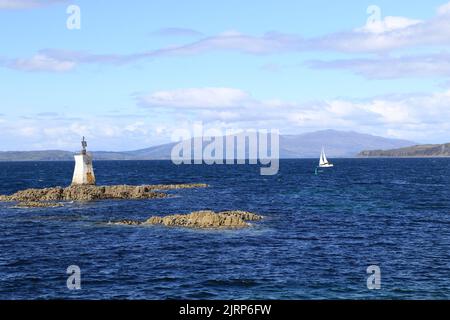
{"points": [[126, 223], [201, 219], [38, 204], [89, 193]]}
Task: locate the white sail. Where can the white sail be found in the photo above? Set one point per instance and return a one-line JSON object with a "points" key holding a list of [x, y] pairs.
{"points": [[325, 160]]}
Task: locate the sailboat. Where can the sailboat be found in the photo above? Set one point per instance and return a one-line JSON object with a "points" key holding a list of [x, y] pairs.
{"points": [[324, 163]]}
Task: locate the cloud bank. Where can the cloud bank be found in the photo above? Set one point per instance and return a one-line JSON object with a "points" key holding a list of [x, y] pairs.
{"points": [[26, 4], [415, 117], [402, 116]]}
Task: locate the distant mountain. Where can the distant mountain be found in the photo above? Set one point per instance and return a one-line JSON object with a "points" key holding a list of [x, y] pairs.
{"points": [[428, 150], [338, 144], [161, 152]]}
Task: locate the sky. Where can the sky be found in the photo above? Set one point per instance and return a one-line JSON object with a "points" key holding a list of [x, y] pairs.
{"points": [[127, 74]]}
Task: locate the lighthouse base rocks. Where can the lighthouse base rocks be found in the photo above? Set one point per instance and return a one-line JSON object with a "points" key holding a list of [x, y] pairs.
{"points": [[84, 171]]}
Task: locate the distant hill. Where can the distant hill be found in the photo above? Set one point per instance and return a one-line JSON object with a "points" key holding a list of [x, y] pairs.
{"points": [[338, 144], [58, 155], [45, 155], [428, 150]]}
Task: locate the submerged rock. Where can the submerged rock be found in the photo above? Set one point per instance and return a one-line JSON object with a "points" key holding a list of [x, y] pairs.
{"points": [[201, 219], [126, 223], [88, 193], [37, 204]]}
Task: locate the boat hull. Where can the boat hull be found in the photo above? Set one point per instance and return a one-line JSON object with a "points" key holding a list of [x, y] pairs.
{"points": [[326, 166]]}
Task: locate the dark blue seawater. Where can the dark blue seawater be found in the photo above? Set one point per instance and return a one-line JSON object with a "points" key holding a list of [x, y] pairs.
{"points": [[319, 235]]}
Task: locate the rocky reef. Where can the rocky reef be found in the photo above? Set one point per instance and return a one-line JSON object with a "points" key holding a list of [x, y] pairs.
{"points": [[89, 193], [37, 204], [200, 220]]}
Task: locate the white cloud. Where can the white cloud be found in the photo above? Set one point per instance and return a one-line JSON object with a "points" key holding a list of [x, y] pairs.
{"points": [[26, 4], [383, 36], [42, 63], [270, 42], [388, 34], [388, 24], [387, 67], [64, 132], [444, 9], [419, 117], [27, 131]]}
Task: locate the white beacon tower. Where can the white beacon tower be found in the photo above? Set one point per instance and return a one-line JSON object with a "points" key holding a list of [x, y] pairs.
{"points": [[84, 171]]}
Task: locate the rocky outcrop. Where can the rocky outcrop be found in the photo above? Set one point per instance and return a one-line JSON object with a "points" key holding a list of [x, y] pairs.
{"points": [[89, 193], [127, 223], [37, 204], [201, 219]]}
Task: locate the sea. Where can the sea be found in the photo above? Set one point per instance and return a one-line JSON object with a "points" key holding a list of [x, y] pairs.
{"points": [[319, 236]]}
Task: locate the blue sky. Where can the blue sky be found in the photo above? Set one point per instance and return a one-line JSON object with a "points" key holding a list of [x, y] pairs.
{"points": [[138, 70]]}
